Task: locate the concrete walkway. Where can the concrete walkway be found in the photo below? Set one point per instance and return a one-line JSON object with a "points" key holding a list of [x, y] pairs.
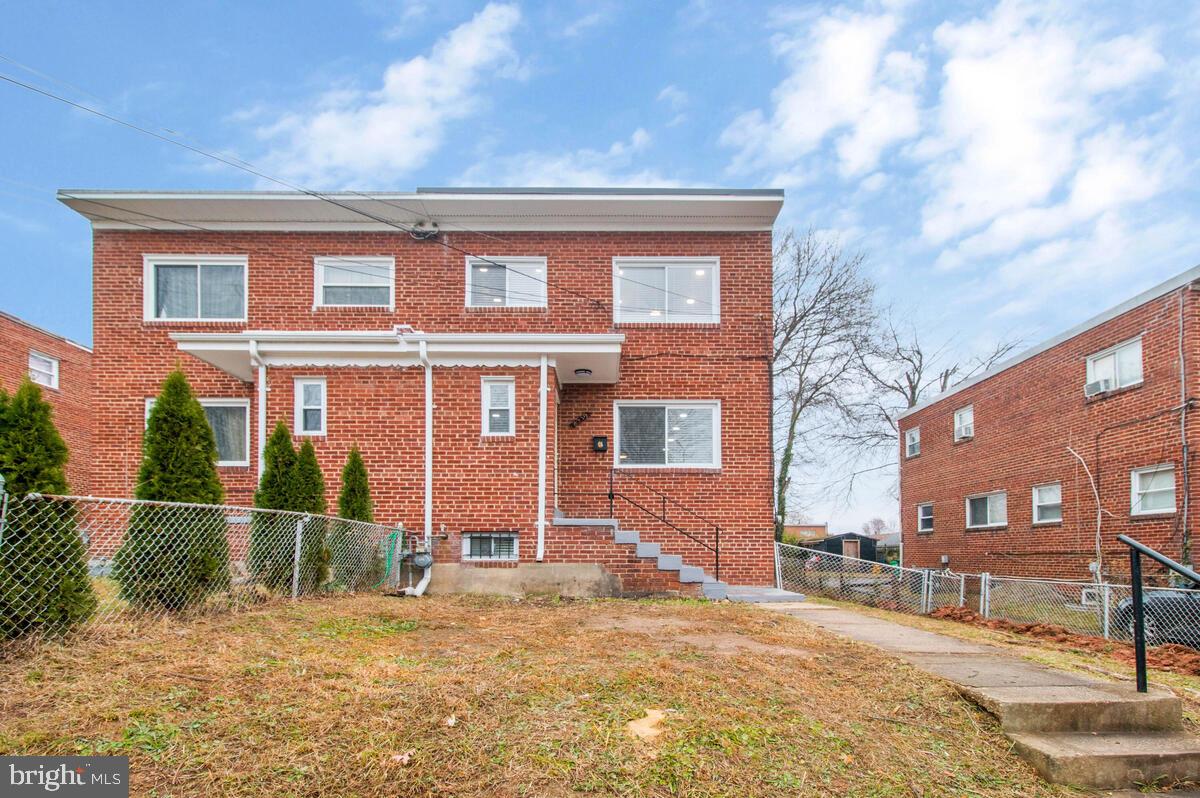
{"points": [[1072, 729]]}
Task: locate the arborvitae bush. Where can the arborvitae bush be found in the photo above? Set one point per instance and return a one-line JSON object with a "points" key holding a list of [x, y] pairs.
{"points": [[44, 582], [308, 493], [354, 557], [175, 558], [272, 537]]}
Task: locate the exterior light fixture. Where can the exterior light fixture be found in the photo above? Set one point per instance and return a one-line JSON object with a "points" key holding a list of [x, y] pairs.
{"points": [[583, 372]]}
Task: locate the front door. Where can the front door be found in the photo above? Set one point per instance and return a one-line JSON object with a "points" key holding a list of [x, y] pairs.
{"points": [[850, 548]]}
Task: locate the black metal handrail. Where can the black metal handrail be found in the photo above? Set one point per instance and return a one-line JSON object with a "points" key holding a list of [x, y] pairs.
{"points": [[613, 495], [1136, 550]]}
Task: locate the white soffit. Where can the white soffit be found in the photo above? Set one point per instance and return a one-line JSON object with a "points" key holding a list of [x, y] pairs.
{"points": [[231, 352], [453, 210]]}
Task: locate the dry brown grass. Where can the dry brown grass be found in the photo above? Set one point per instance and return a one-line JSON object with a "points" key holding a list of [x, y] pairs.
{"points": [[478, 696]]}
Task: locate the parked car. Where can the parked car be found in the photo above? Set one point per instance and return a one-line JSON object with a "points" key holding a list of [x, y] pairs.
{"points": [[1171, 616]]}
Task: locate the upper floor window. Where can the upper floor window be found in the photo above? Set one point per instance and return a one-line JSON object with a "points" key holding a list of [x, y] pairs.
{"points": [[43, 369], [679, 434], [497, 405], [1047, 503], [195, 287], [1116, 367], [667, 290], [925, 517], [351, 281], [1152, 490], [230, 423], [987, 510], [310, 406], [964, 423], [506, 282], [912, 442]]}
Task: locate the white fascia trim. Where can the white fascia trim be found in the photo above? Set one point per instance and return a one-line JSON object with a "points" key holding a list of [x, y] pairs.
{"points": [[1162, 289]]}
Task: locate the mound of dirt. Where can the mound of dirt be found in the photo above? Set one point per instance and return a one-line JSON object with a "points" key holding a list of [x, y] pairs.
{"points": [[1168, 657]]}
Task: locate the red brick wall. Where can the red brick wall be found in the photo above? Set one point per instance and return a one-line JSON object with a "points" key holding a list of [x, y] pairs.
{"points": [[72, 400], [480, 484], [1026, 417]]}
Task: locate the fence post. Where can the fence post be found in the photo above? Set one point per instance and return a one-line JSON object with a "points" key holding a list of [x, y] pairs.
{"points": [[962, 590], [926, 591], [778, 573], [296, 558], [3, 507], [1104, 602], [985, 599]]}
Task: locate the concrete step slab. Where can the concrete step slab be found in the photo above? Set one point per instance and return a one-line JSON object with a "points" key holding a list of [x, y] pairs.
{"points": [[623, 536], [746, 594], [715, 590], [691, 573], [1095, 707], [1110, 761], [648, 549], [670, 562]]}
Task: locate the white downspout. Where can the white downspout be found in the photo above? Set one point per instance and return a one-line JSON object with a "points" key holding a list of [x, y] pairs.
{"points": [[541, 487], [423, 354], [257, 360]]}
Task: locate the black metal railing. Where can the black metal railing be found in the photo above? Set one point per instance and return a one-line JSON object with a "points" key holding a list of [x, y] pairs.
{"points": [[662, 508], [1136, 550]]}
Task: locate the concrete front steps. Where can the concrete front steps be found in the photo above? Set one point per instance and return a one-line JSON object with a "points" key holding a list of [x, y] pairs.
{"points": [[1072, 729], [672, 573]]}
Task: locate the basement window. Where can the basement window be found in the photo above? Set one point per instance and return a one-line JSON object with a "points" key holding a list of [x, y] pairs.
{"points": [[43, 369], [506, 282], [987, 510], [489, 546]]}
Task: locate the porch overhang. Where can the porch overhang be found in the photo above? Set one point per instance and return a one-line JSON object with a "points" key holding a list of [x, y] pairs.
{"points": [[577, 358]]}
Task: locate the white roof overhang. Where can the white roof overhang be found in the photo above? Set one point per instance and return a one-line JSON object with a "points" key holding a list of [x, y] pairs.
{"points": [[239, 353], [452, 210]]}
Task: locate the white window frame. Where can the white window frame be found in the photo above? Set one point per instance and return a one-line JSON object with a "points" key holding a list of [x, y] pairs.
{"points": [[507, 261], [485, 399], [669, 404], [466, 546], [348, 261], [990, 524], [711, 262], [1112, 352], [912, 436], [299, 407], [148, 284], [958, 427], [52, 375], [243, 403], [1037, 506], [921, 530], [1134, 478]]}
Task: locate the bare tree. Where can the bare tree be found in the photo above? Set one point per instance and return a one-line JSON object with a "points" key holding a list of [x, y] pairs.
{"points": [[824, 315], [897, 371], [876, 527]]}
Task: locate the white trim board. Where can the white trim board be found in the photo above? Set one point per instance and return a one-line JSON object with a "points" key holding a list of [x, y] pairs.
{"points": [[1162, 289]]}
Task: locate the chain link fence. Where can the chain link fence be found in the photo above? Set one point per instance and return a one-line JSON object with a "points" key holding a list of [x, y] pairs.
{"points": [[70, 563], [1086, 608]]}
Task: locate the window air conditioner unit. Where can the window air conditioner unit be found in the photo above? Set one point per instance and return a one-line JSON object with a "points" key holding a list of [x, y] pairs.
{"points": [[966, 431], [1099, 386]]}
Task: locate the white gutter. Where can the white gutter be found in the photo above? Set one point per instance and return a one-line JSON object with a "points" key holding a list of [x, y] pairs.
{"points": [[543, 389], [261, 384]]}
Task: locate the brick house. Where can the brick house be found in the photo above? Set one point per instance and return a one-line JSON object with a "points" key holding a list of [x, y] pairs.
{"points": [[63, 368], [506, 360], [1012, 472]]}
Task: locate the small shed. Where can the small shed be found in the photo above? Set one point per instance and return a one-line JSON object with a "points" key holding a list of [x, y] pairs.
{"points": [[849, 544]]}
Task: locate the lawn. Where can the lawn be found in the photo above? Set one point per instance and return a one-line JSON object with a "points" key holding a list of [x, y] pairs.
{"points": [[470, 696]]}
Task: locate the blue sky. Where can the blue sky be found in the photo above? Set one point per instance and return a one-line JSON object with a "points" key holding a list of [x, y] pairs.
{"points": [[1009, 168]]}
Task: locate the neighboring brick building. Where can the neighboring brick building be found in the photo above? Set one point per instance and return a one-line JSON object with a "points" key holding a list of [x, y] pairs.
{"points": [[347, 319], [999, 451], [64, 370]]}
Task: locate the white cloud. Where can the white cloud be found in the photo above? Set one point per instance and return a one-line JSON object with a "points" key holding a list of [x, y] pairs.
{"points": [[676, 100], [352, 136], [844, 86], [584, 167], [1019, 119], [585, 23]]}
